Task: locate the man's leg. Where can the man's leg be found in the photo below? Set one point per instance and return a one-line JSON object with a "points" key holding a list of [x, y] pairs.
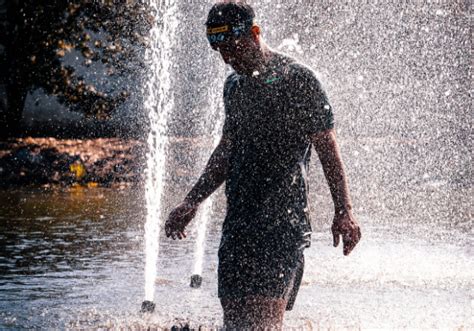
{"points": [[253, 312], [255, 281]]}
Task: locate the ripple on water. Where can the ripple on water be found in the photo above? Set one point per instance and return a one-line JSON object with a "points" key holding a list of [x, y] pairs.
{"points": [[80, 273]]}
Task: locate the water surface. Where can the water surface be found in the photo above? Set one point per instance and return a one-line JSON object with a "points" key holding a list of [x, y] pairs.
{"points": [[74, 258]]}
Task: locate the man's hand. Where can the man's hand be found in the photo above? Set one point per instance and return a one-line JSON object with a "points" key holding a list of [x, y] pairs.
{"points": [[213, 176], [345, 224], [178, 219]]}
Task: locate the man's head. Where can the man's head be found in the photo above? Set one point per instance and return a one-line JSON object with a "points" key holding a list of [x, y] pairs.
{"points": [[231, 30]]}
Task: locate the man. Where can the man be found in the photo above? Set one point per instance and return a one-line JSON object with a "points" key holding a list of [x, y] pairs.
{"points": [[275, 111]]}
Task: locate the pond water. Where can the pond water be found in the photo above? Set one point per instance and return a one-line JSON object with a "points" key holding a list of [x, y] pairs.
{"points": [[74, 258]]}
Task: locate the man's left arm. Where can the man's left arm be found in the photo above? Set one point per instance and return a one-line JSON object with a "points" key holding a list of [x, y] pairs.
{"points": [[344, 223]]}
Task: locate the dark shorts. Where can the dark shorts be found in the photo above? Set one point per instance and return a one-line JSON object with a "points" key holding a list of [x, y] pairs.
{"points": [[254, 266]]}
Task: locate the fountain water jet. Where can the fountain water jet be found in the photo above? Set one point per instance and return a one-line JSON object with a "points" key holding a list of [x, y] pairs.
{"points": [[158, 104], [213, 120], [202, 220]]}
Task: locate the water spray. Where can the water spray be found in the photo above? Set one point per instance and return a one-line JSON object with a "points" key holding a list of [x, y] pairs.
{"points": [[158, 104], [215, 103], [202, 219]]}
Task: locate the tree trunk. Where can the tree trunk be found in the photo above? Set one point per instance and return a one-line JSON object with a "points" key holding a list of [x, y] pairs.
{"points": [[11, 117], [13, 87]]}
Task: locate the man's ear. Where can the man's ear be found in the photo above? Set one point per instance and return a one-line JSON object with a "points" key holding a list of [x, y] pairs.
{"points": [[255, 32]]}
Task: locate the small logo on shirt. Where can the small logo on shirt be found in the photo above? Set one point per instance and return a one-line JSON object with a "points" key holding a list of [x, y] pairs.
{"points": [[272, 80]]}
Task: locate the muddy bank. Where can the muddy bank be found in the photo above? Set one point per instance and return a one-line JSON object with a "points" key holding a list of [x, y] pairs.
{"points": [[90, 162]]}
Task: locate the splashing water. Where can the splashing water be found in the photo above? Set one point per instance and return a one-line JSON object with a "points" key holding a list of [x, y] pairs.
{"points": [[202, 220], [158, 104], [399, 79]]}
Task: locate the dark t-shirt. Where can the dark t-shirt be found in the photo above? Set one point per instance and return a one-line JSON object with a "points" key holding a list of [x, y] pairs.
{"points": [[269, 119]]}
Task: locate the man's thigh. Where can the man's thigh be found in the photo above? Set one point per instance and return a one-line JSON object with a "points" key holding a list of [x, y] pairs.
{"points": [[253, 312]]}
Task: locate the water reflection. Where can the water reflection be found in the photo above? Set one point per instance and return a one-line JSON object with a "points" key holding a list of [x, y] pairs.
{"points": [[74, 259], [60, 232], [56, 242]]}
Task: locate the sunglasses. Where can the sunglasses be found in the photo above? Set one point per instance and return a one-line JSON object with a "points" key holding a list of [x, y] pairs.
{"points": [[225, 35]]}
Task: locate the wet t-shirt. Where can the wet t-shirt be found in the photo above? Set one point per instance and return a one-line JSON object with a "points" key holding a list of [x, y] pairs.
{"points": [[269, 120]]}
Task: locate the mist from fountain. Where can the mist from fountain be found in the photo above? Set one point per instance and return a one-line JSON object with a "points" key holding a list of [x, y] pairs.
{"points": [[205, 213], [405, 153], [158, 104]]}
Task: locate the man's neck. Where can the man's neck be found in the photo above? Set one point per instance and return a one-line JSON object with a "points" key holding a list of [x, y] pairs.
{"points": [[263, 61]]}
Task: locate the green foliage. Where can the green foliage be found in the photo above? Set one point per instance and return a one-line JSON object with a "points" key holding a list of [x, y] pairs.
{"points": [[113, 33]]}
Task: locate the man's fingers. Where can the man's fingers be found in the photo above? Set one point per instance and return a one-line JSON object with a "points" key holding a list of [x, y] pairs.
{"points": [[348, 246], [177, 234], [350, 241], [335, 237], [356, 236], [177, 221]]}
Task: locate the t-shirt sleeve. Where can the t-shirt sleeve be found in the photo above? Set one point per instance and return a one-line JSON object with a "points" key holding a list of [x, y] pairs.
{"points": [[312, 105]]}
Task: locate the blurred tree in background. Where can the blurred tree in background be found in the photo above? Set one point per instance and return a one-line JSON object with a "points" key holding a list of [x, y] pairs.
{"points": [[38, 35]]}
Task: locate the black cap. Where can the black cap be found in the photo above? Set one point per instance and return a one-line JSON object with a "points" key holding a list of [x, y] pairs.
{"points": [[233, 13]]}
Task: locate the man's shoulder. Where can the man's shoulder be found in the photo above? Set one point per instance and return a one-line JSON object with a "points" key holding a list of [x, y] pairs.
{"points": [[291, 65], [296, 73], [301, 71]]}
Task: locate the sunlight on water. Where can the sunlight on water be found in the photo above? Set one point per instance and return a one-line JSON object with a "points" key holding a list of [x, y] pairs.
{"points": [[159, 104]]}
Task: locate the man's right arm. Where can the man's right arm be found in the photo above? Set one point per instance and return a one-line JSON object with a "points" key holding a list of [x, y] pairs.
{"points": [[213, 176]]}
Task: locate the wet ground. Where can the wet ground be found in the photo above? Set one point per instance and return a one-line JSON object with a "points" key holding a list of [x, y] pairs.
{"points": [[73, 258]]}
